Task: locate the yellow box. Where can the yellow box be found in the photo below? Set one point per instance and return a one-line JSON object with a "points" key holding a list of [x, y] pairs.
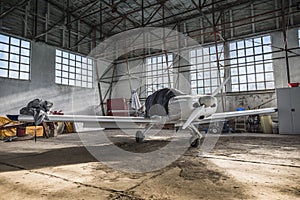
{"points": [[38, 130]]}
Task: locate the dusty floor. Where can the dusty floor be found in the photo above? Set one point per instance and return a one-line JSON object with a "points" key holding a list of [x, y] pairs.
{"points": [[241, 166]]}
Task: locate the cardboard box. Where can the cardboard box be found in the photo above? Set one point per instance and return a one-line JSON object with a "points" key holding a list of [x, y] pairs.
{"points": [[38, 130]]}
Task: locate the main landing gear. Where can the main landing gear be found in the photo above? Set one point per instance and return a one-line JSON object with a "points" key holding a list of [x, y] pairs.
{"points": [[194, 141]]}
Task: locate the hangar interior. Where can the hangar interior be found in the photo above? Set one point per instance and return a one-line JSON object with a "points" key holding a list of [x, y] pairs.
{"points": [[81, 54]]}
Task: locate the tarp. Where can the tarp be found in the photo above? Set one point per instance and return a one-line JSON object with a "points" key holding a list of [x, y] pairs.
{"points": [[7, 132], [38, 109], [157, 103]]}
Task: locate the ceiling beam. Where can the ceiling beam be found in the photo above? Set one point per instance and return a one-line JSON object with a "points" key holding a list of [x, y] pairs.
{"points": [[11, 9]]}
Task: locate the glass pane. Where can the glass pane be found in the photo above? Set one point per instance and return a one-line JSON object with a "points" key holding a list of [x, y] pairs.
{"points": [[249, 52], [3, 56], [3, 64], [65, 68], [78, 58], [233, 54], [3, 72], [267, 49], [71, 76], [58, 59], [206, 75], [234, 71], [58, 52], [72, 56], [14, 66], [25, 52], [14, 49], [4, 47], [243, 87], [25, 44], [200, 91], [13, 74], [15, 41], [72, 82], [58, 73], [199, 52], [58, 80], [260, 86], [24, 60], [250, 59], [257, 41], [259, 68], [65, 74], [243, 79], [14, 58], [4, 38], [260, 77], [241, 53], [64, 81], [207, 90], [270, 85], [192, 53], [240, 45], [200, 83], [269, 77], [65, 61], [24, 76], [267, 40], [250, 69], [199, 59], [72, 62], [268, 67], [193, 76], [251, 86], [57, 66], [65, 54], [232, 46], [207, 83], [235, 88], [24, 68], [249, 43], [251, 78], [242, 70]]}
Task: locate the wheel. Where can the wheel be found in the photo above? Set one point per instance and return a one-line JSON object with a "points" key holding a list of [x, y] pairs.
{"points": [[139, 136], [214, 130], [195, 143]]}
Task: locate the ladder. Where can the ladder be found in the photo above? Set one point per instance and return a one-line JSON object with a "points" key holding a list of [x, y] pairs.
{"points": [[240, 124]]}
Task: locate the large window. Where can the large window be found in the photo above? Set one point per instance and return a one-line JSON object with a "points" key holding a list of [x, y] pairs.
{"points": [[251, 64], [14, 58], [74, 70], [159, 73], [205, 75]]}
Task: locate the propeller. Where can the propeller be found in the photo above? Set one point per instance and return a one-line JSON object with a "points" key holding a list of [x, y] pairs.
{"points": [[193, 116], [197, 111], [220, 87]]}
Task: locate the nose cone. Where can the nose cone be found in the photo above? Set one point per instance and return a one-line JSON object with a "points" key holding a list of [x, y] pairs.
{"points": [[208, 101]]}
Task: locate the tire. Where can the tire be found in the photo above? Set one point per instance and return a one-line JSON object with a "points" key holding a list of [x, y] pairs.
{"points": [[139, 137], [195, 143]]}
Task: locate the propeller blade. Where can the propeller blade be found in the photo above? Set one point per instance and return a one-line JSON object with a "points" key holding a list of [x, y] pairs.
{"points": [[220, 87], [193, 116]]}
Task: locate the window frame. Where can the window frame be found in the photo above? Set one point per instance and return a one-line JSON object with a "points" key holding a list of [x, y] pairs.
{"points": [[205, 76], [15, 57], [73, 69], [156, 74], [251, 64]]}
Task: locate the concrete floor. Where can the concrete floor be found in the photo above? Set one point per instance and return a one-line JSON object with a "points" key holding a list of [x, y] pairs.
{"points": [[240, 166]]}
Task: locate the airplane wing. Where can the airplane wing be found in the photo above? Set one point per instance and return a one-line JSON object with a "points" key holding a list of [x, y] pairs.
{"points": [[224, 115], [96, 121]]}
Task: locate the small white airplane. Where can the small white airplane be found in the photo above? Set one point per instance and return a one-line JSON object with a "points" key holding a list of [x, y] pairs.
{"points": [[166, 106]]}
